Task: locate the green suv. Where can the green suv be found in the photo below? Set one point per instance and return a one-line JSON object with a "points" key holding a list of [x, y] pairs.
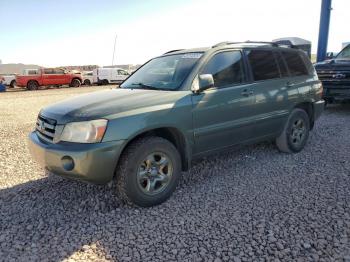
{"points": [[179, 106]]}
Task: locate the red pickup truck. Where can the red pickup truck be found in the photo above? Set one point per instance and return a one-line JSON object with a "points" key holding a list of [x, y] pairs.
{"points": [[48, 77]]}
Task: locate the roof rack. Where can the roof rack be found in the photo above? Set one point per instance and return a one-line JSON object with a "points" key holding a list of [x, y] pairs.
{"points": [[274, 44], [224, 43], [172, 51], [261, 42]]}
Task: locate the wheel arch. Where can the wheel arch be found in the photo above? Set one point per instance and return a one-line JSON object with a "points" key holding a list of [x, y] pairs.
{"points": [[309, 109], [174, 136], [32, 80], [76, 78]]}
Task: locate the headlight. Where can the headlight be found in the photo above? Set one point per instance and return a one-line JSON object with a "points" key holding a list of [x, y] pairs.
{"points": [[84, 132]]}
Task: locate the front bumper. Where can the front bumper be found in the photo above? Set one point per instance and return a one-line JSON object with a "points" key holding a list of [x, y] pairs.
{"points": [[336, 89], [94, 163], [318, 109]]}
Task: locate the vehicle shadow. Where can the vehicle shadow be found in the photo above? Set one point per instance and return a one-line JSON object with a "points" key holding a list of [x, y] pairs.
{"points": [[36, 217], [56, 218], [338, 108]]}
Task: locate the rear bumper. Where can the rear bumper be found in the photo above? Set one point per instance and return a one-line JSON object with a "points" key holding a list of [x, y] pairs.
{"points": [[94, 163]]}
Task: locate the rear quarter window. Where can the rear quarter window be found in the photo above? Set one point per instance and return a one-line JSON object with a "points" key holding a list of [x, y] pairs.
{"points": [[308, 63], [295, 63], [263, 64]]}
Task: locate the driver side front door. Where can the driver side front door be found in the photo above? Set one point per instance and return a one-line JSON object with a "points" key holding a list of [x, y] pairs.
{"points": [[224, 115]]}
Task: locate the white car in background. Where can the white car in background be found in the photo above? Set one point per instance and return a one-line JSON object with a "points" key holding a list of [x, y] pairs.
{"points": [[87, 77], [9, 80], [105, 76]]}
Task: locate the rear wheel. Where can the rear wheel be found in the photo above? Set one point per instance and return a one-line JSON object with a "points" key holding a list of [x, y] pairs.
{"points": [[32, 85], [87, 82], [75, 83], [148, 172], [295, 133], [105, 82], [13, 83]]}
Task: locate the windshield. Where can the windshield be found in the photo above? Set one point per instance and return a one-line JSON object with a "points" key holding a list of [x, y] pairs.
{"points": [[163, 73], [345, 53]]}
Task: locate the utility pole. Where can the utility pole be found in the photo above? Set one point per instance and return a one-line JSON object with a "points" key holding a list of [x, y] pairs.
{"points": [[325, 18], [115, 41]]}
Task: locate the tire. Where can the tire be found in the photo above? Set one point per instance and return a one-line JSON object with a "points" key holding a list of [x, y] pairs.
{"points": [[13, 84], [105, 82], [144, 178], [87, 82], [32, 85], [75, 83], [295, 132]]}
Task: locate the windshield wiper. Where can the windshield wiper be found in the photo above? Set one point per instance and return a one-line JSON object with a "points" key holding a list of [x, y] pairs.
{"points": [[142, 85]]}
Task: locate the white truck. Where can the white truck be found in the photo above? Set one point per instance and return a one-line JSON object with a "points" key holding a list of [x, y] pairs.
{"points": [[9, 80], [88, 77], [105, 76]]}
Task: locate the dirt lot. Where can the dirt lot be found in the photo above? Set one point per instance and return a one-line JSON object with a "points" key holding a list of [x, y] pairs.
{"points": [[253, 203]]}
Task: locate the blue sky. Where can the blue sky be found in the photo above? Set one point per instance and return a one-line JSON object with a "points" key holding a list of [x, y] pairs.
{"points": [[58, 33]]}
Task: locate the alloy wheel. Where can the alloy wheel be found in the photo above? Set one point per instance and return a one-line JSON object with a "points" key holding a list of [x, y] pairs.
{"points": [[154, 173]]}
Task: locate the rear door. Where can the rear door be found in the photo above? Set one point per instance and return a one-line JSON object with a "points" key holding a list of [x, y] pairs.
{"points": [[273, 95], [48, 76], [222, 116]]}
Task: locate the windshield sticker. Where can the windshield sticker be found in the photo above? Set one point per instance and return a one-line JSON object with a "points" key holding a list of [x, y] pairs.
{"points": [[192, 55]]}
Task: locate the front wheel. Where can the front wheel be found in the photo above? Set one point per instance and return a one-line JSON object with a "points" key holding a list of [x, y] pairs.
{"points": [[295, 133], [87, 82], [75, 83], [148, 172]]}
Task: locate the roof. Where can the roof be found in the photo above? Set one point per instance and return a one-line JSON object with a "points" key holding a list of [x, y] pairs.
{"points": [[191, 50], [277, 43]]}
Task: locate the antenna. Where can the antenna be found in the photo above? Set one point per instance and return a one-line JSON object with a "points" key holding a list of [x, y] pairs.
{"points": [[115, 41]]}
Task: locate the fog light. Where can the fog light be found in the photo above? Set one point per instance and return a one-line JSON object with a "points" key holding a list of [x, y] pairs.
{"points": [[67, 163]]}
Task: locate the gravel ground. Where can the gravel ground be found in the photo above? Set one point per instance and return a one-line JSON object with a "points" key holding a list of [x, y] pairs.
{"points": [[251, 204]]}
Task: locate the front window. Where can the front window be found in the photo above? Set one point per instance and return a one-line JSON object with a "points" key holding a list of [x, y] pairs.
{"points": [[345, 53], [226, 69], [163, 73]]}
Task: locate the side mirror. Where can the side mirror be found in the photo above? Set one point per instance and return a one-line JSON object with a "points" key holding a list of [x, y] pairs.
{"points": [[329, 55], [203, 82]]}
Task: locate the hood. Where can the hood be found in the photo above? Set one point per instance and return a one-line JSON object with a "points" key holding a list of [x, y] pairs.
{"points": [[334, 64], [104, 104]]}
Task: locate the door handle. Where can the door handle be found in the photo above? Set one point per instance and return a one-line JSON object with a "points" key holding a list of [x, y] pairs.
{"points": [[247, 92]]}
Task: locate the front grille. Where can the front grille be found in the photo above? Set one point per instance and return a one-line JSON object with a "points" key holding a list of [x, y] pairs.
{"points": [[46, 127], [334, 75]]}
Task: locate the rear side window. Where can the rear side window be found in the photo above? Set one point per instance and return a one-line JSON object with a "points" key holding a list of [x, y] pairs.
{"points": [[48, 71], [295, 63], [58, 71], [263, 64], [226, 68], [281, 64]]}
